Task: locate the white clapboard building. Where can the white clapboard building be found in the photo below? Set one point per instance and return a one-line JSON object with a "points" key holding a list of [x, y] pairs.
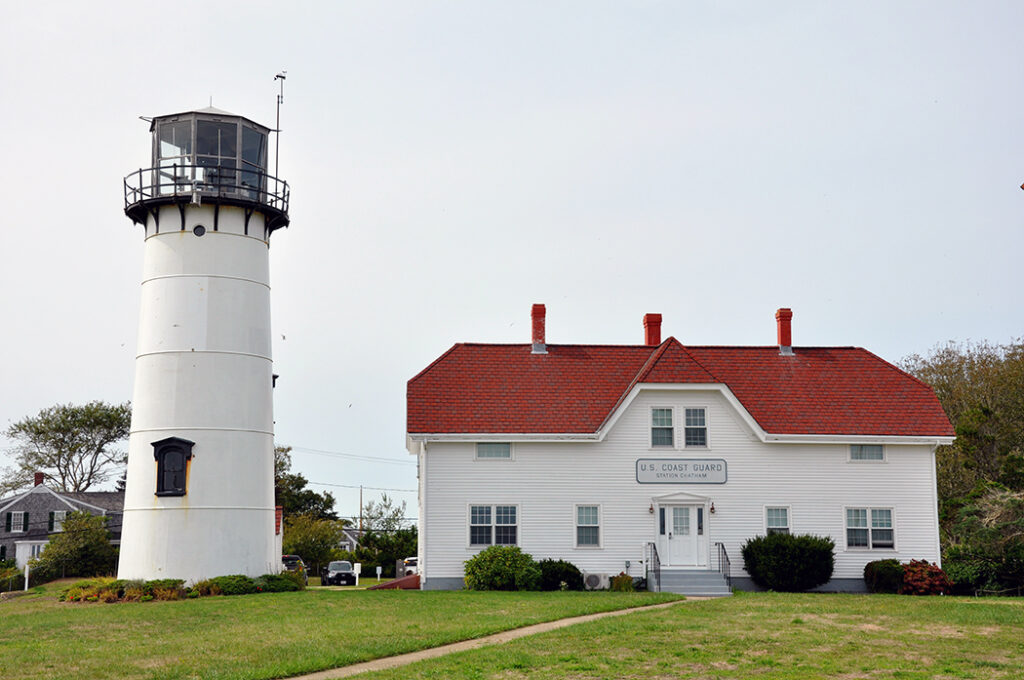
{"points": [[660, 460]]}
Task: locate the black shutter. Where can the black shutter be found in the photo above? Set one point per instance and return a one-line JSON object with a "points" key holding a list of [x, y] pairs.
{"points": [[8, 527], [3, 553], [24, 522], [50, 527]]}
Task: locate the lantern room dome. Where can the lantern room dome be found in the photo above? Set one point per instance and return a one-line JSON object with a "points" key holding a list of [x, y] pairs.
{"points": [[207, 156]]}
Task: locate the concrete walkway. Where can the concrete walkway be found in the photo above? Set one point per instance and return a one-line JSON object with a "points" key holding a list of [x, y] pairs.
{"points": [[495, 639]]}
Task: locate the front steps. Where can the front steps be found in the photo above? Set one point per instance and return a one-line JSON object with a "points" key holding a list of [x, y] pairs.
{"points": [[695, 582]]}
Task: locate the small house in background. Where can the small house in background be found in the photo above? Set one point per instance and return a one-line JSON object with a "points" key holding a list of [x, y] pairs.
{"points": [[31, 518], [661, 460]]}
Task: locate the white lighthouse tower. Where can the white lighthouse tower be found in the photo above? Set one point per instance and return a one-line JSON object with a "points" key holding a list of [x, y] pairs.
{"points": [[199, 497]]}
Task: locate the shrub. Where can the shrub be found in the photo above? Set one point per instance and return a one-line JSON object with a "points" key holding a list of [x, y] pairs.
{"points": [[623, 583], [235, 584], [883, 576], [279, 583], [11, 578], [206, 587], [789, 563], [922, 578], [502, 567], [554, 573]]}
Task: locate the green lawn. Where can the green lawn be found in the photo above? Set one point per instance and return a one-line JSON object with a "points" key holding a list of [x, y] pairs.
{"points": [[768, 635], [263, 636]]}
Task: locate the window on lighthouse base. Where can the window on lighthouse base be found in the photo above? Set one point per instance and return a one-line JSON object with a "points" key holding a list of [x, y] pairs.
{"points": [[172, 456]]}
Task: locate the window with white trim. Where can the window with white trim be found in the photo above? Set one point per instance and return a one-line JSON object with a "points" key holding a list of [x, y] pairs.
{"points": [[588, 526], [662, 431], [696, 431], [867, 452], [776, 520], [493, 524], [57, 518], [37, 550], [17, 521], [494, 451], [869, 528]]}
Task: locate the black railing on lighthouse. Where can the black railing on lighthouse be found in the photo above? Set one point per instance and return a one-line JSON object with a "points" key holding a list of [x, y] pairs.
{"points": [[175, 183]]}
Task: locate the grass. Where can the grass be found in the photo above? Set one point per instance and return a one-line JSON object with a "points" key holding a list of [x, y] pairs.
{"points": [[270, 635], [769, 635]]}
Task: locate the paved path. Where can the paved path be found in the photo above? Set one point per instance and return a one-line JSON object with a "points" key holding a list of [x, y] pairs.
{"points": [[495, 639]]}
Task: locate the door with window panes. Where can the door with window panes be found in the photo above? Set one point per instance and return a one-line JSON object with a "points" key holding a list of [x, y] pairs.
{"points": [[682, 539]]}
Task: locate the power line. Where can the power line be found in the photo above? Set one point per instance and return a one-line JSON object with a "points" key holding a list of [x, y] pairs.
{"points": [[352, 456], [360, 486]]}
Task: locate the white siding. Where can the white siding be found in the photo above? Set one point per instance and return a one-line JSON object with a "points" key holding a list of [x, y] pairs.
{"points": [[547, 480]]}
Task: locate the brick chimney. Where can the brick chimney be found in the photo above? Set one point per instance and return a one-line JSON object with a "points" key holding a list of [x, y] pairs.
{"points": [[538, 313], [652, 329], [278, 516], [783, 319], [39, 478]]}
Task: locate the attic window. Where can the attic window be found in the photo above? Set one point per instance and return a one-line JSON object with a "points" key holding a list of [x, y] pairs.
{"points": [[494, 451], [867, 452], [172, 456]]}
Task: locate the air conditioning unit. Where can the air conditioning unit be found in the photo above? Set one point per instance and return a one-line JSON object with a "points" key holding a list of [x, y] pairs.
{"points": [[594, 581]]}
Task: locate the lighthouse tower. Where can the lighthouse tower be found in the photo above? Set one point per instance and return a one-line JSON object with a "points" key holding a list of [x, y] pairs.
{"points": [[199, 497]]}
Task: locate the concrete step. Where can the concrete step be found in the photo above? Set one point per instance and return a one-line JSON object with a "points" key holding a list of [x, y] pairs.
{"points": [[697, 583]]}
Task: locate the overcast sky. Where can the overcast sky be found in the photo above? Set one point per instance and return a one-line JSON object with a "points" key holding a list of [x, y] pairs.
{"points": [[453, 163]]}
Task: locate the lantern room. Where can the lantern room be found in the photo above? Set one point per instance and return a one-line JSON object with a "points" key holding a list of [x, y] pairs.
{"points": [[207, 156]]}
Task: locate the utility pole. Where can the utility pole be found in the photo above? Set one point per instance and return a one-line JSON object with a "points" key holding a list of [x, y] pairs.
{"points": [[360, 509]]}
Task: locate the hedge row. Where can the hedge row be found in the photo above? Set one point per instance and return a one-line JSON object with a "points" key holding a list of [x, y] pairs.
{"points": [[120, 590]]}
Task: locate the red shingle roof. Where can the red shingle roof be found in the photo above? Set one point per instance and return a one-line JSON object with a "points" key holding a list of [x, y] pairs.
{"points": [[475, 388]]}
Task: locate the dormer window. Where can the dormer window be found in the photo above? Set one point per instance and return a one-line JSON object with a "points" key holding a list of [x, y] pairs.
{"points": [[172, 456]]}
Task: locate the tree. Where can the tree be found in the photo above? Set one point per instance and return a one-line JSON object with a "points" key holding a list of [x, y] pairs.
{"points": [[291, 494], [313, 539], [384, 515], [81, 549], [72, 445], [981, 388]]}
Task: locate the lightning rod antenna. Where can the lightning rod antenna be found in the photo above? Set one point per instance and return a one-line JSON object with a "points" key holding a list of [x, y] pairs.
{"points": [[277, 131]]}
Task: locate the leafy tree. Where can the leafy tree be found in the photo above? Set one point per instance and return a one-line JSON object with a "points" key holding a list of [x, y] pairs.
{"points": [[981, 388], [291, 494], [313, 539], [385, 548], [81, 549], [72, 444], [384, 515]]}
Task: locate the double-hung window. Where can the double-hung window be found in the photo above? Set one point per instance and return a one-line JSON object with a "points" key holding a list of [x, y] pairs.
{"points": [[776, 520], [662, 431], [588, 526], [696, 431], [57, 518], [493, 525], [867, 452], [17, 522], [870, 528]]}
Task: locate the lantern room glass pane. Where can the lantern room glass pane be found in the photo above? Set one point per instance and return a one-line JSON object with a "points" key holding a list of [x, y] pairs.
{"points": [[175, 139], [216, 139], [254, 147]]}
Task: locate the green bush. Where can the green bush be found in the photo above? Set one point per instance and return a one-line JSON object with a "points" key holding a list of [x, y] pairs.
{"points": [[235, 584], [280, 583], [923, 578], [883, 576], [11, 578], [788, 563], [502, 567], [554, 573], [623, 583]]}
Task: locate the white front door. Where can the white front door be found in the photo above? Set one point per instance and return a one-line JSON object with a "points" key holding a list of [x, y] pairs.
{"points": [[682, 539]]}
